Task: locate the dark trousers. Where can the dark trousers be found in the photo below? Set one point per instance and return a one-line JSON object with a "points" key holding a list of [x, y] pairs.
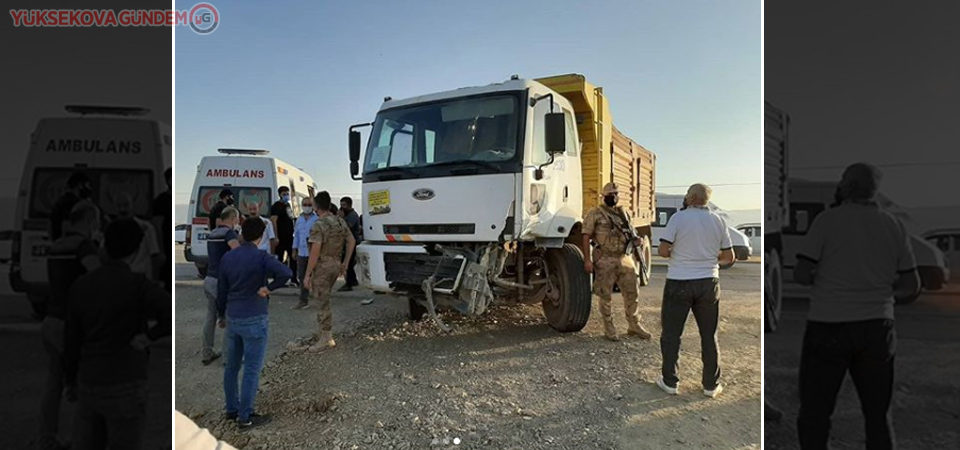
{"points": [[351, 272], [866, 349], [283, 250], [679, 298], [112, 417]]}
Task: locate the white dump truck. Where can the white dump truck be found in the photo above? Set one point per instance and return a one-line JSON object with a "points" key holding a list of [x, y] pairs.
{"points": [[477, 195], [776, 210]]}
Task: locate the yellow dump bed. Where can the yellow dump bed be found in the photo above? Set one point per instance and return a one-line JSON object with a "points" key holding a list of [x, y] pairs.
{"points": [[608, 155]]}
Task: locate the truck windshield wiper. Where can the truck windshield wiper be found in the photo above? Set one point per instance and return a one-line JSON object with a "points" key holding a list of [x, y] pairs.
{"points": [[468, 162], [394, 172]]}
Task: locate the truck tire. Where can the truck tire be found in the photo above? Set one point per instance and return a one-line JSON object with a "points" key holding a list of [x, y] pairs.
{"points": [[648, 262], [202, 270], [567, 305], [417, 311], [773, 290]]}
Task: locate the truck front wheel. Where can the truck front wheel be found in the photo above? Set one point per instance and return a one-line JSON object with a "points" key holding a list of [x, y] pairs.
{"points": [[568, 298], [417, 310], [202, 270], [773, 291]]}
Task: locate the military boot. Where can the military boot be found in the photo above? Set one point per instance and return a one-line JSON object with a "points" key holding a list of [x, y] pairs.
{"points": [[635, 329], [325, 342], [609, 330]]}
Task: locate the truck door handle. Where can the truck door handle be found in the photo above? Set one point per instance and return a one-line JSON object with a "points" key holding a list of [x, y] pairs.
{"points": [[565, 193]]}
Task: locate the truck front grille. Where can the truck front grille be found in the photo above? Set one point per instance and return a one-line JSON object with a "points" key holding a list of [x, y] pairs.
{"points": [[438, 228], [412, 269]]}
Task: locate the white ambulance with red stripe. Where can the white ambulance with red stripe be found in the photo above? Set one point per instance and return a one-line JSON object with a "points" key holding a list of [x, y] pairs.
{"points": [[119, 149], [253, 177]]}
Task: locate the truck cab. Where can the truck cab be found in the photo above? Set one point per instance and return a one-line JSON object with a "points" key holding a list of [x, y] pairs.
{"points": [[477, 195]]}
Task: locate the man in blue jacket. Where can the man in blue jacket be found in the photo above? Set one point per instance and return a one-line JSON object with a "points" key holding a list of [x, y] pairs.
{"points": [[243, 295]]}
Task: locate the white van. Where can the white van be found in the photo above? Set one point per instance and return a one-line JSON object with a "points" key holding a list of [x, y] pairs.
{"points": [[118, 150], [669, 204], [253, 177], [810, 198]]}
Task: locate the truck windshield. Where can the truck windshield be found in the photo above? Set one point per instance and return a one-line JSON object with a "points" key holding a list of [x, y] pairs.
{"points": [[482, 129]]}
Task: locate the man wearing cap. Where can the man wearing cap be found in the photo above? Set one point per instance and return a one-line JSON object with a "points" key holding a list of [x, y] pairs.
{"points": [[696, 241], [226, 199], [611, 263], [858, 258]]}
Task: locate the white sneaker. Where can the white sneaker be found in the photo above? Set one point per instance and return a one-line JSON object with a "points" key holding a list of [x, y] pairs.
{"points": [[663, 386], [713, 393]]}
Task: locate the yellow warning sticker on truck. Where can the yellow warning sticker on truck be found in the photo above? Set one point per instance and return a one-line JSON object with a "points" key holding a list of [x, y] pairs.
{"points": [[378, 202]]}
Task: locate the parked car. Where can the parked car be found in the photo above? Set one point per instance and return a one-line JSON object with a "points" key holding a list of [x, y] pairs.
{"points": [[180, 233], [753, 232], [948, 241]]}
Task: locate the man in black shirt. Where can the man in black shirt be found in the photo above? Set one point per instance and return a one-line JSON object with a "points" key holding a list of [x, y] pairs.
{"points": [[78, 188], [71, 256], [108, 338], [281, 214], [226, 199], [353, 222]]}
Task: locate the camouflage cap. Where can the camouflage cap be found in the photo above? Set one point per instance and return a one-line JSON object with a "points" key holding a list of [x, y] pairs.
{"points": [[610, 188]]}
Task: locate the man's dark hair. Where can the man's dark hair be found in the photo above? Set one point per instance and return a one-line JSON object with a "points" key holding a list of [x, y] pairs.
{"points": [[122, 238], [322, 201], [225, 193], [347, 200], [333, 208], [76, 179], [252, 229], [283, 189]]}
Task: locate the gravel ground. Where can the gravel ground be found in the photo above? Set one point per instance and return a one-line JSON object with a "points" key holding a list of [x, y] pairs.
{"points": [[502, 381]]}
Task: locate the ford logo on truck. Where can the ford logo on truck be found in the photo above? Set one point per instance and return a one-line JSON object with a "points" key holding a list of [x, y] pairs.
{"points": [[423, 194]]}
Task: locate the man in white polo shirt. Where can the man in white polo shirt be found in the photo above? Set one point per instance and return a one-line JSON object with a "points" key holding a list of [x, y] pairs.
{"points": [[696, 241], [858, 258], [269, 241]]}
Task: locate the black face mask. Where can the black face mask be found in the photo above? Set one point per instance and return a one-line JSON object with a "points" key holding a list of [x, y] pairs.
{"points": [[229, 201], [610, 200], [85, 192]]}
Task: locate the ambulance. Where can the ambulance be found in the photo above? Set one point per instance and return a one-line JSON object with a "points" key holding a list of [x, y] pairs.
{"points": [[119, 149], [670, 204], [253, 177]]}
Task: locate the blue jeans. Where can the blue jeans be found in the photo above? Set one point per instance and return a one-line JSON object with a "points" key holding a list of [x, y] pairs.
{"points": [[246, 345]]}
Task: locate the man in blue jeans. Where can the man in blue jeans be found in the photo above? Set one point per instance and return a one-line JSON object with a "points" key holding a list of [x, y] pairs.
{"points": [[858, 259], [220, 241], [301, 249], [243, 295]]}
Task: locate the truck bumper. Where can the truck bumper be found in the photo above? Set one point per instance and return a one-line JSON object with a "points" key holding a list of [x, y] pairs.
{"points": [[371, 268]]}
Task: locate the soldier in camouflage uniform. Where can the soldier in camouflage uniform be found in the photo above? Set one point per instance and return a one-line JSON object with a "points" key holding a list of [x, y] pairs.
{"points": [[611, 264], [328, 237]]}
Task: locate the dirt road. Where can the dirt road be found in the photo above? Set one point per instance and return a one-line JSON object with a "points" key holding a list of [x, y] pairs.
{"points": [[502, 381], [926, 410]]}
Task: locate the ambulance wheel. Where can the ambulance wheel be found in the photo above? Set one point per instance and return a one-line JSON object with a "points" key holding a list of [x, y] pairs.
{"points": [[568, 297], [202, 270]]}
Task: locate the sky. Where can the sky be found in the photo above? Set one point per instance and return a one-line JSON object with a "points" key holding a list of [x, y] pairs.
{"points": [[877, 84], [46, 68], [683, 79]]}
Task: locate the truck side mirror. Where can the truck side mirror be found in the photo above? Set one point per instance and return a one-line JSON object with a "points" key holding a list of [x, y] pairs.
{"points": [[554, 128], [354, 148], [354, 168]]}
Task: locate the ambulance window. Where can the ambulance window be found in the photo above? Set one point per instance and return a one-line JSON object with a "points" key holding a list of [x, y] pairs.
{"points": [[49, 184]]}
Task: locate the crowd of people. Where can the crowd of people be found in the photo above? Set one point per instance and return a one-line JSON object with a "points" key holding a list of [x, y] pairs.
{"points": [[109, 301], [251, 256]]}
